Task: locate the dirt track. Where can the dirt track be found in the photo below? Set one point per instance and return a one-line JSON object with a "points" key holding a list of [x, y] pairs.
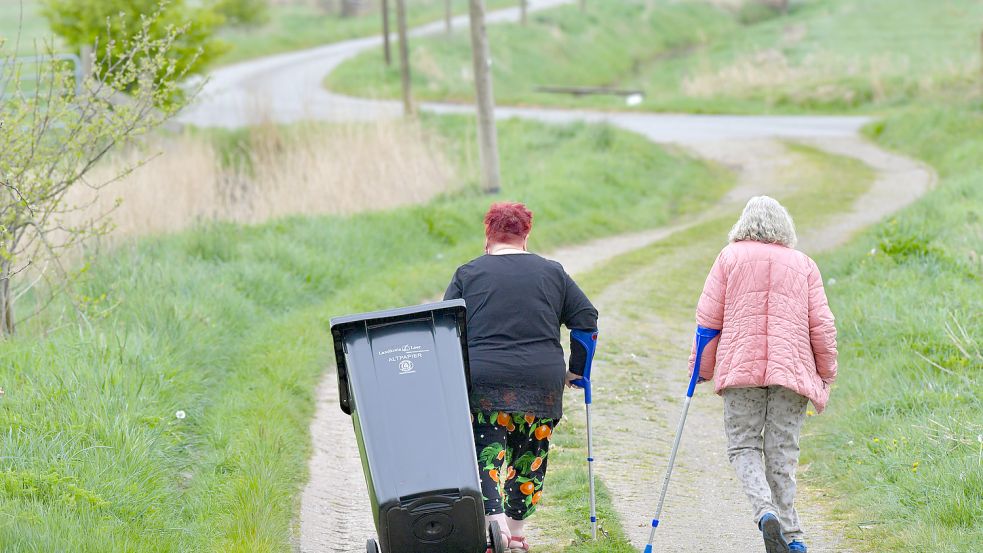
{"points": [[335, 515], [705, 506], [630, 432]]}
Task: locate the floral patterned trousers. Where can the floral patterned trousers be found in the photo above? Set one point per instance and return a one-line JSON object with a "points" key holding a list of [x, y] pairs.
{"points": [[512, 453]]}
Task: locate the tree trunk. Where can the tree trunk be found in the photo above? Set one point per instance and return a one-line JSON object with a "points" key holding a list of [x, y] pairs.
{"points": [[523, 4], [487, 134], [583, 5], [404, 57], [387, 51], [6, 301], [448, 17]]}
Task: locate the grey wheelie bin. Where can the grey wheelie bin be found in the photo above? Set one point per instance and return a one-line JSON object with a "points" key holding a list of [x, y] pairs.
{"points": [[403, 377]]}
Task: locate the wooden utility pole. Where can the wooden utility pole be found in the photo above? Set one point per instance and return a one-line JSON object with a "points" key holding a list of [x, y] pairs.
{"points": [[448, 16], [385, 33], [487, 134], [523, 4], [404, 57]]}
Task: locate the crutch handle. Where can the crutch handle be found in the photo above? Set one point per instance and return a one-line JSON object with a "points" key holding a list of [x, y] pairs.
{"points": [[703, 337], [585, 384]]}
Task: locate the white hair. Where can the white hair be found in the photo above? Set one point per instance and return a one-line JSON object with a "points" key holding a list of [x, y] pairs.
{"points": [[764, 220]]}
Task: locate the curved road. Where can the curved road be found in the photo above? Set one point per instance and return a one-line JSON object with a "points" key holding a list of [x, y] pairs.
{"points": [[287, 88]]}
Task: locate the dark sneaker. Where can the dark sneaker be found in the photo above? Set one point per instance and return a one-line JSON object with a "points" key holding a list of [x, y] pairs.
{"points": [[771, 531], [797, 546]]}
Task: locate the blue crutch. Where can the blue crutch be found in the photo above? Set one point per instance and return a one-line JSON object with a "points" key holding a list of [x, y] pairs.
{"points": [[588, 341], [703, 337]]}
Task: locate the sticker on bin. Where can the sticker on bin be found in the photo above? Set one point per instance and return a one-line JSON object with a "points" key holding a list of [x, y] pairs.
{"points": [[403, 357]]}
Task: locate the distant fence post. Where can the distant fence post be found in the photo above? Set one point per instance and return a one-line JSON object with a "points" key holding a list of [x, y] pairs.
{"points": [[448, 17]]}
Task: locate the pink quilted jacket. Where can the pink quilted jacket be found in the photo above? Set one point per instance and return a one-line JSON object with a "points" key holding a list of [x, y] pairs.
{"points": [[776, 327]]}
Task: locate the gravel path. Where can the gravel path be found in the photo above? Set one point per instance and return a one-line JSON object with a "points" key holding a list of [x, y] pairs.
{"points": [[634, 428]]}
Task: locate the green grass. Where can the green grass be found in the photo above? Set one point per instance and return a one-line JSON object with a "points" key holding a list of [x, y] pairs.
{"points": [[902, 442], [826, 56], [230, 325]]}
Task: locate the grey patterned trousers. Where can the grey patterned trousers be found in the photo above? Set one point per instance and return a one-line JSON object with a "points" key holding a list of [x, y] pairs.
{"points": [[763, 427]]}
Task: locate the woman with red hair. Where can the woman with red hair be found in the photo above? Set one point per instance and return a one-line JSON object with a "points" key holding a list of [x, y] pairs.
{"points": [[516, 302]]}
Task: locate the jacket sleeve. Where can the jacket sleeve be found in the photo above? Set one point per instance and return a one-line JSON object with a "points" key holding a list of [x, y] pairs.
{"points": [[710, 314], [822, 328]]}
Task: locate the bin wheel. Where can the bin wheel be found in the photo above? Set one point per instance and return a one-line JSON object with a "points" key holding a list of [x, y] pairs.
{"points": [[498, 545], [371, 547]]}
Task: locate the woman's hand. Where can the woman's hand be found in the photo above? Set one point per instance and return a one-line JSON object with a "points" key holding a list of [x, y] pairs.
{"points": [[570, 378]]}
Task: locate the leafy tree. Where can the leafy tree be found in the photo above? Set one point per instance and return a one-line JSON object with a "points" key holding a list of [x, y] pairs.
{"points": [[55, 130], [107, 24]]}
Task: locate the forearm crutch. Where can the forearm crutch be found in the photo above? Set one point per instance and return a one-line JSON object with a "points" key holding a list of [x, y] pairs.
{"points": [[587, 340], [703, 337]]}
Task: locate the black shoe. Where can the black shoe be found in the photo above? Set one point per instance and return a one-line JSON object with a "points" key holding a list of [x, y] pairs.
{"points": [[771, 531]]}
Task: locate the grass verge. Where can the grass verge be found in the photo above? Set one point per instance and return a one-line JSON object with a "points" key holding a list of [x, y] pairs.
{"points": [[903, 442], [178, 420]]}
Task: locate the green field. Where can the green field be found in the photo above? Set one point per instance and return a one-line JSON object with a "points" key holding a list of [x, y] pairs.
{"points": [[826, 56], [229, 325]]}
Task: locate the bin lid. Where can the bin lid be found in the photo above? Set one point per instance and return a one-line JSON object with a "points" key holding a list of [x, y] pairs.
{"points": [[396, 315], [339, 326]]}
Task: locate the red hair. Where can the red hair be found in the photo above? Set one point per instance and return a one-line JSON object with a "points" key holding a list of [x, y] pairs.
{"points": [[507, 222]]}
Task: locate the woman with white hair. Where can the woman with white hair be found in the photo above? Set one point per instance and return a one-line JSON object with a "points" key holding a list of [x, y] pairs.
{"points": [[776, 352]]}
